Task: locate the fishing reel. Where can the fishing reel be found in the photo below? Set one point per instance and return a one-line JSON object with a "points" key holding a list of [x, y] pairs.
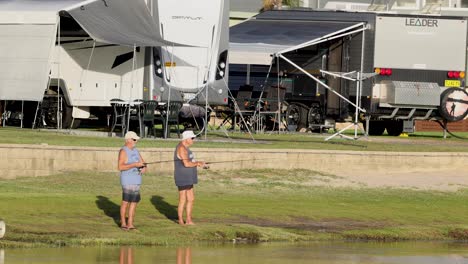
{"points": [[141, 168]]}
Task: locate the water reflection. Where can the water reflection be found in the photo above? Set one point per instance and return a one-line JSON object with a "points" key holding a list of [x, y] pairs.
{"points": [[126, 255], [271, 253], [184, 255]]}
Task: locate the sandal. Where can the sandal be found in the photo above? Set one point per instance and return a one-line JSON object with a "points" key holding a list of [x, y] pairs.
{"points": [[124, 228]]}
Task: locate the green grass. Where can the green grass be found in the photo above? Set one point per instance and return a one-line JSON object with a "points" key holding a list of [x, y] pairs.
{"points": [[420, 142], [255, 205]]}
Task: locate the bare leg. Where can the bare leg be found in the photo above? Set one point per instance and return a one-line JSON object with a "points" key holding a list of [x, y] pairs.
{"points": [[190, 200], [131, 214], [180, 255], [180, 208], [188, 255], [123, 212], [122, 255], [130, 256]]}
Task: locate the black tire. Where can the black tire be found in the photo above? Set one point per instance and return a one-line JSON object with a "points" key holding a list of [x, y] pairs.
{"points": [[376, 128], [296, 116], [315, 116], [394, 127], [453, 104], [50, 116]]}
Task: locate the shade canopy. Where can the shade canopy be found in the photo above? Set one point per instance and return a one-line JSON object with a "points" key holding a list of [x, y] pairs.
{"points": [[119, 22], [256, 40]]}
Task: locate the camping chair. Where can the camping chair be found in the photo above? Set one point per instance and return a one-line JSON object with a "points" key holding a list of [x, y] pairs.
{"points": [[172, 118], [120, 108], [148, 117]]}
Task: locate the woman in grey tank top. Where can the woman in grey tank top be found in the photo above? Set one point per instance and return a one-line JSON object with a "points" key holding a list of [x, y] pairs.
{"points": [[185, 176]]}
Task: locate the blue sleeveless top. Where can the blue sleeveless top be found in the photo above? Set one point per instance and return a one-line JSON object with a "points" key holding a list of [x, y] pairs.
{"points": [[131, 176], [184, 176]]}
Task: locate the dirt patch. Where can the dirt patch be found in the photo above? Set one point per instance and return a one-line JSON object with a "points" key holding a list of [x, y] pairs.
{"points": [[301, 223]]}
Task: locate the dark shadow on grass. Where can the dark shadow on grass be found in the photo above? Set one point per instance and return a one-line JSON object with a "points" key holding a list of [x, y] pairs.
{"points": [[165, 208], [110, 208]]}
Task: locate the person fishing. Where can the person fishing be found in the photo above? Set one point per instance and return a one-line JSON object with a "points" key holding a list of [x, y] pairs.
{"points": [[185, 176], [131, 166]]}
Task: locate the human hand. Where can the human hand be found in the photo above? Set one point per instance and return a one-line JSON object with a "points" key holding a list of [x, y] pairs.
{"points": [[139, 164], [204, 165]]}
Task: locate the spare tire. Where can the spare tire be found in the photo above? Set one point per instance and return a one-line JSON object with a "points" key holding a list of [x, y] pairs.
{"points": [[453, 104]]}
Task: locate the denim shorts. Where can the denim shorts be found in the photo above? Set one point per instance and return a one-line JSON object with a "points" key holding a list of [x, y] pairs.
{"points": [[131, 193]]}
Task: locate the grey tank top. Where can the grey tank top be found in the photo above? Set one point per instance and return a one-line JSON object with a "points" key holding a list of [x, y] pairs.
{"points": [[182, 175], [131, 176]]}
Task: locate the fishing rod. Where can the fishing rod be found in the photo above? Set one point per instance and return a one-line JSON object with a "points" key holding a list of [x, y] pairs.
{"points": [[208, 162], [205, 166]]}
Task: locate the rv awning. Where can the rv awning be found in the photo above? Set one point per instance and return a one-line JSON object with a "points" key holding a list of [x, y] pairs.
{"points": [[256, 40], [121, 22]]}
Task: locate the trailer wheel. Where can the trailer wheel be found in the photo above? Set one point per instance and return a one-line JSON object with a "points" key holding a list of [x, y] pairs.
{"points": [[50, 115], [376, 128], [315, 117], [296, 117], [394, 128]]}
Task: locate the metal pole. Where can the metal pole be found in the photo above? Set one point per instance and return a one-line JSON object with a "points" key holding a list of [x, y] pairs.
{"points": [[356, 113], [22, 113], [278, 99], [360, 82], [206, 111], [169, 95], [59, 114], [4, 113], [131, 88]]}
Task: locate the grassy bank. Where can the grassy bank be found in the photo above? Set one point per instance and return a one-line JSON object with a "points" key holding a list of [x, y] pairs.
{"points": [[263, 205], [419, 142]]}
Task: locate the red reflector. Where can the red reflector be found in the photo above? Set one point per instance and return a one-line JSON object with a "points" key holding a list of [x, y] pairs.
{"points": [[225, 100], [456, 74], [388, 71], [155, 97], [450, 74]]}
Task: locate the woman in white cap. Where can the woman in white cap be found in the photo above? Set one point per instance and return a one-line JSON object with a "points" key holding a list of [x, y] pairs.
{"points": [[185, 175], [131, 165]]}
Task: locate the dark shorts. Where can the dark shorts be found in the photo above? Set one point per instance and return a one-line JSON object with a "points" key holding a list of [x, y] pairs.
{"points": [[131, 193], [185, 187]]}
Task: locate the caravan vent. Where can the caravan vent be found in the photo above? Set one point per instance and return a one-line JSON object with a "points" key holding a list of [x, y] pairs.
{"points": [[346, 6]]}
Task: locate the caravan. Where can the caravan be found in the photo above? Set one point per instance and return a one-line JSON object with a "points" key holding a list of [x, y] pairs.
{"points": [[410, 67], [85, 53]]}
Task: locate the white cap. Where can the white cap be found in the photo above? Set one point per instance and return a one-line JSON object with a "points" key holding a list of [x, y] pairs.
{"points": [[188, 134], [131, 135]]}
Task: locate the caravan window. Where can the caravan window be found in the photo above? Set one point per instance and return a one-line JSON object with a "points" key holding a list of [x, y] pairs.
{"points": [[407, 4]]}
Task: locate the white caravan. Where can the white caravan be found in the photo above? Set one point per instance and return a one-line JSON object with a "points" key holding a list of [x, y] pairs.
{"points": [[85, 53], [196, 73]]}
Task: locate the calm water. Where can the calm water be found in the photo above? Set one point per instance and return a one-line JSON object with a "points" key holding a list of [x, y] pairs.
{"points": [[320, 253]]}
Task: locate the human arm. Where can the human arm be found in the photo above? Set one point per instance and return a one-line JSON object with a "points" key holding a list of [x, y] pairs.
{"points": [[143, 169], [123, 159]]}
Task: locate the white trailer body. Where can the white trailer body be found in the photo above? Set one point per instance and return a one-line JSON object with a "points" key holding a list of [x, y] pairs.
{"points": [[93, 73], [420, 43], [192, 73]]}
